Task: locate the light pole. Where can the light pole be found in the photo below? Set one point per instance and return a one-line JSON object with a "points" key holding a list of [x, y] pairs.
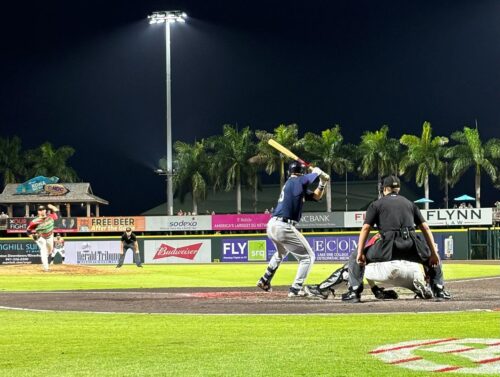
{"points": [[167, 18]]}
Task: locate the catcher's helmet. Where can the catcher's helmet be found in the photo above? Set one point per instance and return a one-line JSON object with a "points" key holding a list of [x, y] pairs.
{"points": [[296, 167]]}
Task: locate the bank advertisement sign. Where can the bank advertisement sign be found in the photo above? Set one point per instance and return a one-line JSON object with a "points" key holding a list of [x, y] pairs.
{"points": [[94, 252], [321, 220], [177, 251], [178, 223], [19, 253], [326, 248], [240, 222]]}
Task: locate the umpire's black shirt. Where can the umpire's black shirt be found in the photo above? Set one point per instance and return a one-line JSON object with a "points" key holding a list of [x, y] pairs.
{"points": [[129, 242], [392, 212]]}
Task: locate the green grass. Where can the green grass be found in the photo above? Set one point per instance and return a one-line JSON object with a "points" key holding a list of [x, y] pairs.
{"points": [[73, 344], [84, 344], [209, 275]]}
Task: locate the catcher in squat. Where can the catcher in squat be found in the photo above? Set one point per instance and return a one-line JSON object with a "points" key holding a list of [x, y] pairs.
{"points": [[282, 231]]}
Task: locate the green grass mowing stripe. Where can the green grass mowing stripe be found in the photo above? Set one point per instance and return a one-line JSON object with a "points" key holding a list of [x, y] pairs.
{"points": [[74, 344], [207, 275]]}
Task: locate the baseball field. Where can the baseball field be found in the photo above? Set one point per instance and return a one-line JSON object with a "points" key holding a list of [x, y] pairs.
{"points": [[209, 320]]}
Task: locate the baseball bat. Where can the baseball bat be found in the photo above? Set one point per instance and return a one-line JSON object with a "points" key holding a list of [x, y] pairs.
{"points": [[287, 152]]}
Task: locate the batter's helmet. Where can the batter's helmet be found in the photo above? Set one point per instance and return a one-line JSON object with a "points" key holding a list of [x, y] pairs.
{"points": [[296, 167]]}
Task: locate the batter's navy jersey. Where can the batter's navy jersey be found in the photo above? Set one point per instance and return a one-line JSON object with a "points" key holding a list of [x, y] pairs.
{"points": [[293, 195]]}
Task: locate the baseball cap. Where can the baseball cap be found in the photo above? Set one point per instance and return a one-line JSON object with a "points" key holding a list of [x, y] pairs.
{"points": [[128, 229], [41, 207], [391, 181]]}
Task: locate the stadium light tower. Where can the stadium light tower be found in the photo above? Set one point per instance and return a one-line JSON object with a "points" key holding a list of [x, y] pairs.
{"points": [[167, 18]]}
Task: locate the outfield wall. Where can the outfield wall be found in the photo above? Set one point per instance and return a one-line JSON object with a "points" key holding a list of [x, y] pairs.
{"points": [[224, 248]]}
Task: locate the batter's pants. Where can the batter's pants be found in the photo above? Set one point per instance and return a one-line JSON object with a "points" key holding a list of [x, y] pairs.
{"points": [[288, 240]]}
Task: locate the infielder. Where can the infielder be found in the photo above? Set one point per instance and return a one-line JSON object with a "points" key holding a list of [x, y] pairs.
{"points": [[58, 247], [396, 273], [282, 231], [41, 230]]}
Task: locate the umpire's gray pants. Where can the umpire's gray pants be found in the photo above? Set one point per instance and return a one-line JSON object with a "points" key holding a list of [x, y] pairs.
{"points": [[288, 239], [137, 257]]}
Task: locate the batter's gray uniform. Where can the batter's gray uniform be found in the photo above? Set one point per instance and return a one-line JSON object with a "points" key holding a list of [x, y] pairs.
{"points": [[285, 236]]}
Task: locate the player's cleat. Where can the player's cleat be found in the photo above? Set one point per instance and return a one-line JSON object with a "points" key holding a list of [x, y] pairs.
{"points": [[384, 294], [264, 285], [299, 293], [353, 295], [315, 292], [440, 293], [421, 290], [140, 265]]}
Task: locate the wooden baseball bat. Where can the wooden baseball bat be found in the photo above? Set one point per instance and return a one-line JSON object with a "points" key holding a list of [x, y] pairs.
{"points": [[287, 152]]}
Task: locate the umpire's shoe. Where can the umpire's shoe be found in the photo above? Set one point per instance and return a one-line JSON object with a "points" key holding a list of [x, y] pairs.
{"points": [[384, 294], [440, 293], [353, 295], [264, 285]]}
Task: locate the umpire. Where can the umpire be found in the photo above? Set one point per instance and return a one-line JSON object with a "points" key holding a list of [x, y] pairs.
{"points": [[129, 241], [396, 218]]}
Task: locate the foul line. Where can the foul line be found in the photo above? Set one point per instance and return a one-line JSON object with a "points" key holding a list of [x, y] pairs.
{"points": [[240, 314]]}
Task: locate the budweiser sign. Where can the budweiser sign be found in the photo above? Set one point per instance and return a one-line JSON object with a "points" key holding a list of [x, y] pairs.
{"points": [[186, 252]]}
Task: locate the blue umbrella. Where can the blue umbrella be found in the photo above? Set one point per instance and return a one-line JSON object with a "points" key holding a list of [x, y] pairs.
{"points": [[464, 198], [424, 200]]}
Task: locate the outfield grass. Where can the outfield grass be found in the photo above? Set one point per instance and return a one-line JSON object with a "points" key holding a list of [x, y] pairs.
{"points": [[209, 275], [84, 344], [73, 344]]}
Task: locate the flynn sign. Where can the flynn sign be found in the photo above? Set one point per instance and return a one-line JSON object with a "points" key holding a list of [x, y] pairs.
{"points": [[435, 217], [459, 216]]}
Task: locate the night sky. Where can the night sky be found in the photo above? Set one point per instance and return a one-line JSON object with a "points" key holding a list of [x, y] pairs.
{"points": [[90, 74]]}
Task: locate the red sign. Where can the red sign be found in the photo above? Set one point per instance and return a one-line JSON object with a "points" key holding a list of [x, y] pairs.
{"points": [[186, 252]]}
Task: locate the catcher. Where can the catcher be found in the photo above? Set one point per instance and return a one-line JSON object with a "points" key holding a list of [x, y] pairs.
{"points": [[397, 273], [41, 230]]}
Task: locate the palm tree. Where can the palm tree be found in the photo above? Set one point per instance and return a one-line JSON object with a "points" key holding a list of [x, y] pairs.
{"points": [[471, 152], [378, 154], [11, 161], [231, 152], [424, 152], [286, 135], [47, 161], [327, 151], [191, 171]]}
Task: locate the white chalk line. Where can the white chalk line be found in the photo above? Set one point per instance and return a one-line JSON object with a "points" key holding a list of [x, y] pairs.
{"points": [[240, 314]]}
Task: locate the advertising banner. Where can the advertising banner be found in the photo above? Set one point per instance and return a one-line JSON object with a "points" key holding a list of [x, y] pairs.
{"points": [[321, 220], [178, 223], [110, 224], [240, 222], [333, 248], [435, 217], [246, 250], [177, 251], [94, 252], [458, 216], [328, 248], [19, 253], [354, 219], [17, 224], [61, 225]]}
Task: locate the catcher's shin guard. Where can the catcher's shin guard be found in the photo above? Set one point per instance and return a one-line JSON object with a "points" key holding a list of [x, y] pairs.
{"points": [[337, 277]]}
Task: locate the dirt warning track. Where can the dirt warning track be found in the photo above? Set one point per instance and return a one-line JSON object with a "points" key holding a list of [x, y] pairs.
{"points": [[473, 294]]}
